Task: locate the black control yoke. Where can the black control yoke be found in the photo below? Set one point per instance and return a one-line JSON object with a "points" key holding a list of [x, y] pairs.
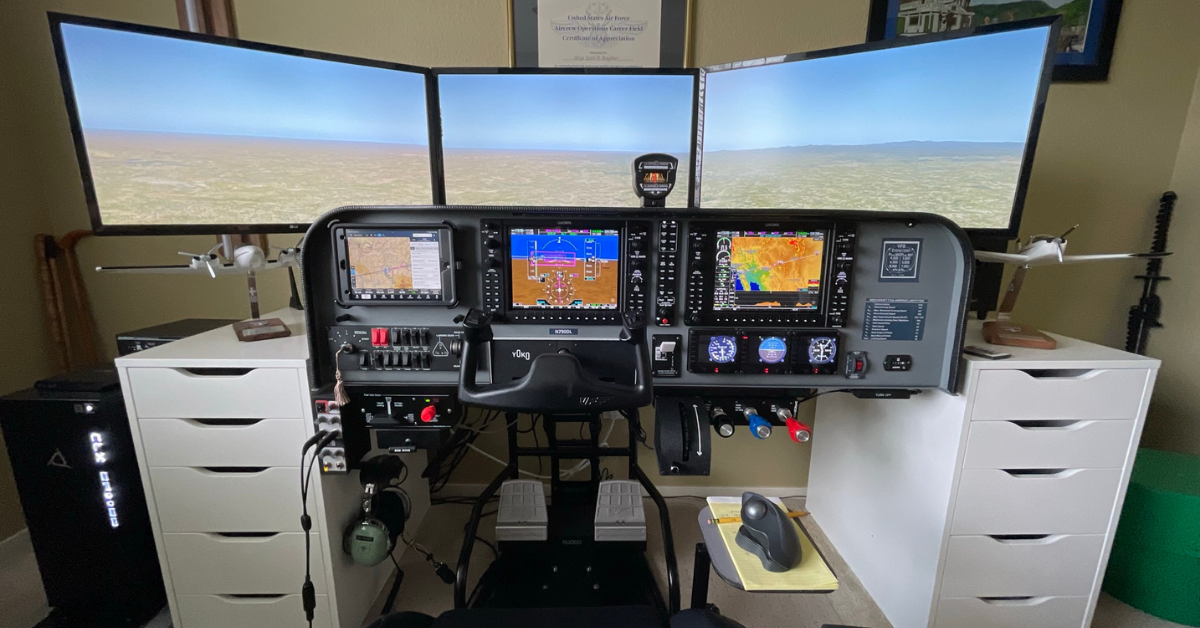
{"points": [[556, 382]]}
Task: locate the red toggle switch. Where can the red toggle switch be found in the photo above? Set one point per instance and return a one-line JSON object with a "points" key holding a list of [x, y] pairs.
{"points": [[379, 336], [799, 432], [428, 414]]}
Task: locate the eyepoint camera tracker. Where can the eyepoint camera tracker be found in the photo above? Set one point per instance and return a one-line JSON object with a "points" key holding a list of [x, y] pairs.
{"points": [[654, 178]]}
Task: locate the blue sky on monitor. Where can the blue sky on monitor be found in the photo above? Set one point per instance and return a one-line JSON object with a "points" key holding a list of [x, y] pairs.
{"points": [[597, 112], [973, 89], [139, 82]]}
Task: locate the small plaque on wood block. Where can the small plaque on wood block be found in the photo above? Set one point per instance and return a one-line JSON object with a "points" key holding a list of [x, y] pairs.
{"points": [[1009, 334], [260, 329]]}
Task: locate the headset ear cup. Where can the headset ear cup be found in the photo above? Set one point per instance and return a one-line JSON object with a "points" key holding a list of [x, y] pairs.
{"points": [[367, 542], [392, 509]]}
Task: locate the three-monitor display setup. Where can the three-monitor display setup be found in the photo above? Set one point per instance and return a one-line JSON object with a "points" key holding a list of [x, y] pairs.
{"points": [[185, 133]]}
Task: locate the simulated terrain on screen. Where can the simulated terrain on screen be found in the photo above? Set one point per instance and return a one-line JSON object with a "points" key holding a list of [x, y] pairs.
{"points": [[185, 133], [938, 127], [380, 263], [560, 139], [760, 271], [564, 270]]}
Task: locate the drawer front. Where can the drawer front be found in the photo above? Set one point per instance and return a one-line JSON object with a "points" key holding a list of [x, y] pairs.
{"points": [[982, 566], [1075, 501], [1096, 394], [1088, 444], [1040, 612], [222, 442], [221, 565], [223, 611], [263, 393], [203, 500]]}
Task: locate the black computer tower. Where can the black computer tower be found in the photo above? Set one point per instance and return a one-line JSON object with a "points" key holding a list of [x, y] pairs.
{"points": [[77, 475]]}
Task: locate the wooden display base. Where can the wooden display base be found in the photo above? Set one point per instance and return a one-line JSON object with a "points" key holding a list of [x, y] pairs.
{"points": [[261, 329], [1010, 334]]}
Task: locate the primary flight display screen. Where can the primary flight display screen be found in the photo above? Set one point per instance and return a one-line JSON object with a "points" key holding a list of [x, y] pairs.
{"points": [[394, 265], [768, 270], [565, 268]]}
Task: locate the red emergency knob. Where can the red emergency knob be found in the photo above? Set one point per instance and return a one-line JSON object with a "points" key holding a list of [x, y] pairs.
{"points": [[428, 414]]}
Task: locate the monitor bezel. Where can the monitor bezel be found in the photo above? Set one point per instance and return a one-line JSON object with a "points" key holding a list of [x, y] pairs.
{"points": [[506, 228], [99, 227], [446, 235], [1035, 121], [695, 73]]}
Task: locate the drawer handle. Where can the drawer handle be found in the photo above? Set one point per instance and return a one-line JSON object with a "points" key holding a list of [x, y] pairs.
{"points": [[1024, 600], [245, 535], [1061, 373], [1051, 424], [1041, 473], [224, 422], [1025, 539], [214, 371], [231, 470], [253, 598]]}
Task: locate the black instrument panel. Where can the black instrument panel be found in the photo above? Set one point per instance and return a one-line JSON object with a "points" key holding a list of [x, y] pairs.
{"points": [[771, 299]]}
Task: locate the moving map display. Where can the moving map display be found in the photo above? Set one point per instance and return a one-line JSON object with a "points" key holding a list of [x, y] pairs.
{"points": [[768, 270], [565, 268], [394, 264]]}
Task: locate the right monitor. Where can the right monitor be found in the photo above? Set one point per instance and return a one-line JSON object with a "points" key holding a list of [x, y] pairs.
{"points": [[945, 126]]}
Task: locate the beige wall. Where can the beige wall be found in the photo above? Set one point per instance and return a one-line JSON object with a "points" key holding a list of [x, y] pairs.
{"points": [[23, 343], [1174, 422], [1107, 152]]}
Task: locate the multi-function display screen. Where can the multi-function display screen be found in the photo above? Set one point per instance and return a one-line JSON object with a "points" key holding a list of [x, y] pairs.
{"points": [[392, 264], [768, 270], [565, 268]]}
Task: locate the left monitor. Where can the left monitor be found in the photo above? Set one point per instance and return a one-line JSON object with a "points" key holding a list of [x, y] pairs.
{"points": [[183, 133]]}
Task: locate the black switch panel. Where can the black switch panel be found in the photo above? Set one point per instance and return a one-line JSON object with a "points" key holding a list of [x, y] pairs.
{"points": [[898, 363], [665, 351]]}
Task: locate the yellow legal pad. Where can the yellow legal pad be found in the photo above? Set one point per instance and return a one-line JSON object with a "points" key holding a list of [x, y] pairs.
{"points": [[813, 574]]}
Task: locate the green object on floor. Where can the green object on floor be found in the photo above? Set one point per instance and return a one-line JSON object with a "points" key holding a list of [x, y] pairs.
{"points": [[1155, 562]]}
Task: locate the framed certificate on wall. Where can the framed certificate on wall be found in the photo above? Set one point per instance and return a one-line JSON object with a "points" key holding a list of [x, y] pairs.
{"points": [[610, 34]]}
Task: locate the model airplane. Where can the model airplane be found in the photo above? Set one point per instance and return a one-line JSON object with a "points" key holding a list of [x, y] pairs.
{"points": [[1042, 250], [246, 259]]}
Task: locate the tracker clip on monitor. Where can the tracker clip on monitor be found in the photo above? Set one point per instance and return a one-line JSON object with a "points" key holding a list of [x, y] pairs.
{"points": [[654, 178]]}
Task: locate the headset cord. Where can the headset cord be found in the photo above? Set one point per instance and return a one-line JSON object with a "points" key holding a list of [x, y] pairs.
{"points": [[316, 443]]}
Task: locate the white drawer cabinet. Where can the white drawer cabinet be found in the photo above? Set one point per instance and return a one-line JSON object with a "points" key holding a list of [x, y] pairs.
{"points": [[223, 442], [1087, 444], [1074, 501], [217, 426], [223, 393], [204, 500], [227, 611], [221, 564], [1080, 393], [1005, 496], [1037, 612], [985, 566]]}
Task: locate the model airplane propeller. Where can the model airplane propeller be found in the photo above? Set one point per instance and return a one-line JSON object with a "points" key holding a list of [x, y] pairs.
{"points": [[1042, 250]]}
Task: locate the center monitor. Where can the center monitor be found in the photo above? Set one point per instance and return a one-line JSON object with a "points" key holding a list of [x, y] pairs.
{"points": [[562, 137], [768, 270], [565, 268]]}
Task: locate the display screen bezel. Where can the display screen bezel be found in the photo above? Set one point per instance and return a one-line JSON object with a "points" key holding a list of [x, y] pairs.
{"points": [[622, 233], [345, 295], [693, 160], [708, 316], [826, 239], [1035, 123], [95, 212]]}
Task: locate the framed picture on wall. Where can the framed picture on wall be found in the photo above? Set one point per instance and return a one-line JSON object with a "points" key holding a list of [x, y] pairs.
{"points": [[1085, 46], [608, 34]]}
